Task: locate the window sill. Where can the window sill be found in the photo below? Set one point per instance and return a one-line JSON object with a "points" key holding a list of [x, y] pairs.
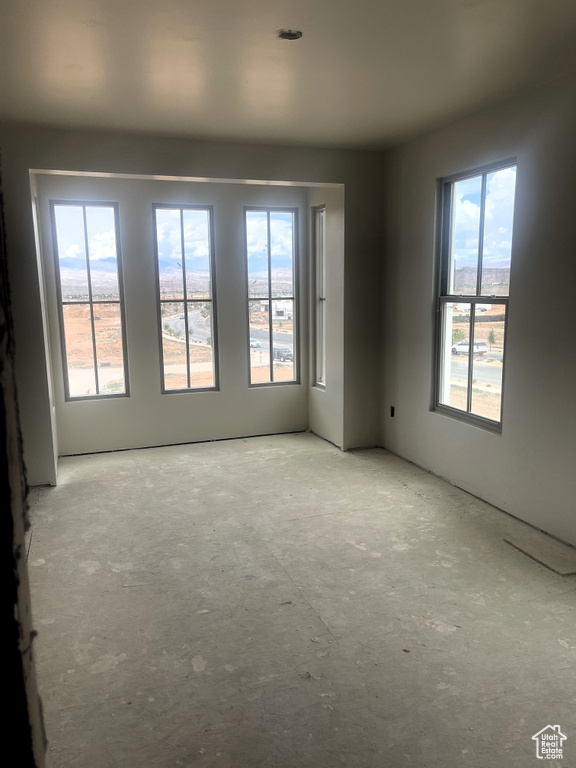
{"points": [[469, 418], [187, 391], [265, 384]]}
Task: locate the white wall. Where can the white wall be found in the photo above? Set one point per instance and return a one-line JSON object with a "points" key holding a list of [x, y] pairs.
{"points": [[25, 147], [326, 411], [147, 417], [529, 470]]}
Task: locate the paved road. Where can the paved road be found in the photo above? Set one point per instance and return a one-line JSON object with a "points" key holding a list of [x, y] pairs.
{"points": [[484, 373], [199, 328], [281, 338], [81, 380]]}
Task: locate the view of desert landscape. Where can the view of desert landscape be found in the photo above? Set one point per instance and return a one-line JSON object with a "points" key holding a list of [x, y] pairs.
{"points": [[487, 366], [106, 319], [90, 289]]}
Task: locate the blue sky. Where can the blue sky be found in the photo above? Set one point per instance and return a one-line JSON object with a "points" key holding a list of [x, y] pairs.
{"points": [[281, 240], [102, 238], [196, 239], [500, 190], [101, 230], [102, 251]]}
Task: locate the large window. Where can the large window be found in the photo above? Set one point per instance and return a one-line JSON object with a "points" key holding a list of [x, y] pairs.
{"points": [[319, 282], [272, 299], [476, 247], [186, 297], [90, 298]]}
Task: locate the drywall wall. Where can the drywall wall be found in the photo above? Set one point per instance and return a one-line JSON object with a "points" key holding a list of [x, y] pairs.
{"points": [[23, 719], [528, 470], [362, 317], [28, 147], [326, 412], [148, 417], [31, 366]]}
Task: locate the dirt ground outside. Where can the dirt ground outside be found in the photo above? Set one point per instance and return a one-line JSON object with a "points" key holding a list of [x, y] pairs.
{"points": [[260, 321], [484, 403], [80, 349], [483, 327], [489, 327]]}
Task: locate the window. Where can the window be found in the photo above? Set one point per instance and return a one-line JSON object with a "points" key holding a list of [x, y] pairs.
{"points": [[319, 282], [476, 247], [90, 298], [272, 301], [186, 297]]}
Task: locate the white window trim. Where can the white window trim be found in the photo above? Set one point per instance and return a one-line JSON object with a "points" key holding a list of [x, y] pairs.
{"points": [[444, 208], [319, 298]]}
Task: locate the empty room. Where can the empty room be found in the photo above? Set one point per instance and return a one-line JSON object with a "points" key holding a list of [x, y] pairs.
{"points": [[288, 374]]}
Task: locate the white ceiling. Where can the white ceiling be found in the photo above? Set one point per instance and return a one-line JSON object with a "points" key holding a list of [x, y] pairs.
{"points": [[365, 73]]}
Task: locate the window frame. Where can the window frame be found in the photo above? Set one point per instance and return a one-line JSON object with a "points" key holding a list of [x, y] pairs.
{"points": [[185, 301], [53, 203], [443, 297], [319, 298], [295, 296]]}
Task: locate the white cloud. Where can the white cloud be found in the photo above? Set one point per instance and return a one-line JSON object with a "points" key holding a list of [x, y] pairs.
{"points": [[500, 191], [466, 223], [169, 235], [196, 236], [102, 246], [73, 251], [257, 236], [498, 215], [281, 238]]}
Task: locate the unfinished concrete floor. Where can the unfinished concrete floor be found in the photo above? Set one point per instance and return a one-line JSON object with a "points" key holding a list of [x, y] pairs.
{"points": [[275, 602]]}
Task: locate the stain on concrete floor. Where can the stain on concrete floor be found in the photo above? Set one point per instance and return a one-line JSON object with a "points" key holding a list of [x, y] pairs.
{"points": [[275, 602]]}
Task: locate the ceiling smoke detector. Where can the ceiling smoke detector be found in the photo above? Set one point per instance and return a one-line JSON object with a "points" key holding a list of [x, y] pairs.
{"points": [[289, 34]]}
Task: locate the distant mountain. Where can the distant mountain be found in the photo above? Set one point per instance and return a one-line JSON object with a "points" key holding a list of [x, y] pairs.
{"points": [[79, 264], [282, 273], [495, 277], [74, 279], [498, 265], [282, 283]]}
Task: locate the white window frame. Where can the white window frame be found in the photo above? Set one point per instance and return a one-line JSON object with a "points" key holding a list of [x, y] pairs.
{"points": [[181, 207], [91, 303], [444, 297], [269, 298], [319, 294]]}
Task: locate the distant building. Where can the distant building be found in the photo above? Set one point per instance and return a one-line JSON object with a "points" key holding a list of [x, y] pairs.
{"points": [[281, 310]]}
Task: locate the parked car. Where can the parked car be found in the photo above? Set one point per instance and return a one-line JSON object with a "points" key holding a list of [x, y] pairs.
{"points": [[463, 347], [465, 308], [282, 353], [255, 344]]}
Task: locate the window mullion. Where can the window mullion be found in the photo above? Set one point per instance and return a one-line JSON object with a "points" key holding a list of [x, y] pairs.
{"points": [[470, 358], [270, 331], [185, 296], [478, 293], [448, 195], [89, 279], [481, 236]]}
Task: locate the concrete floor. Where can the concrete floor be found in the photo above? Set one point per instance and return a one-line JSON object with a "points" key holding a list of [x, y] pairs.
{"points": [[275, 602]]}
